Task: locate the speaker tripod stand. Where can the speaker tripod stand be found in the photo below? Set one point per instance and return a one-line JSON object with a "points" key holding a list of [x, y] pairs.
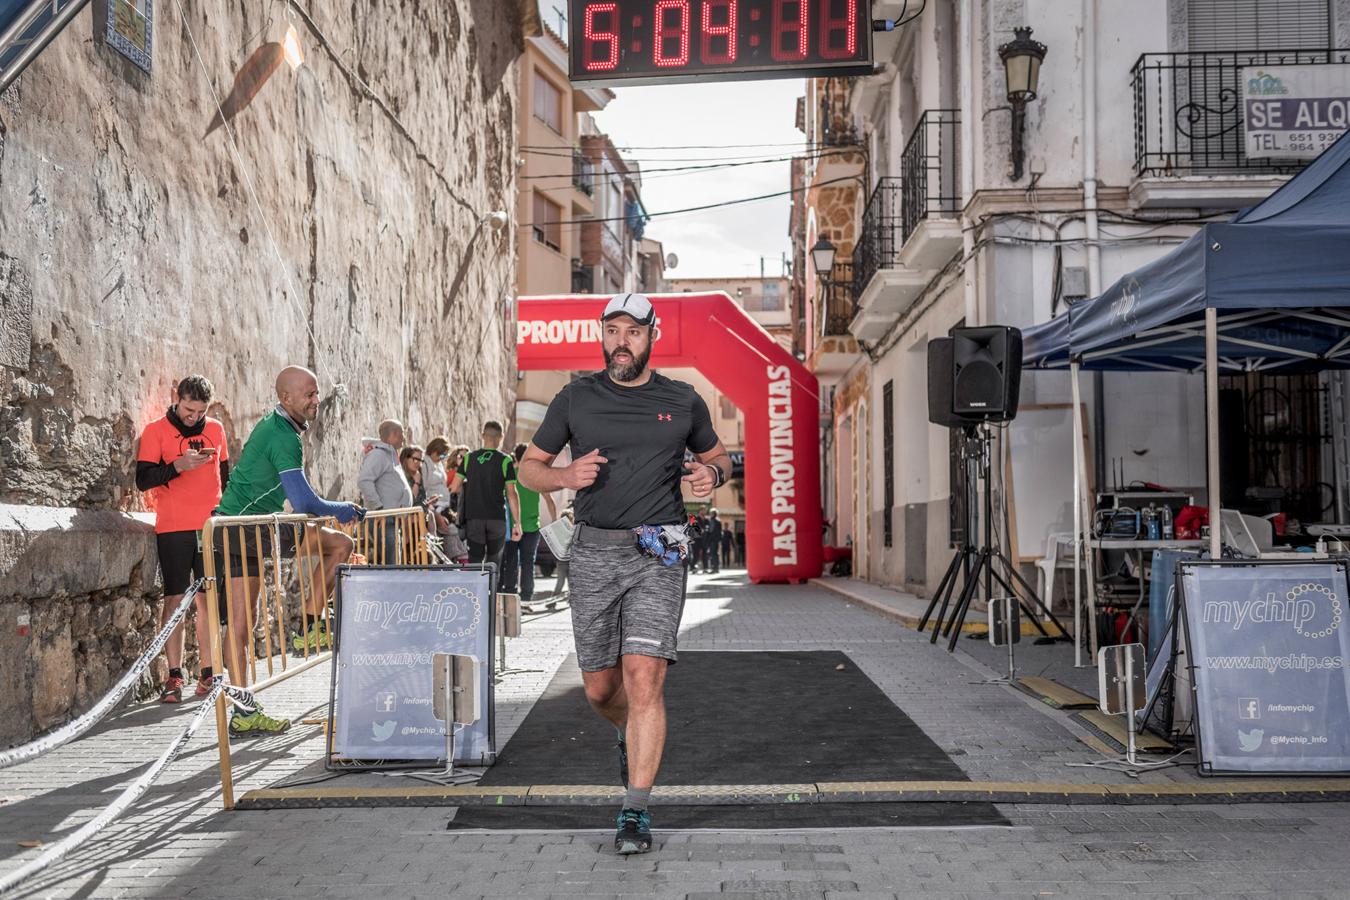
{"points": [[988, 560]]}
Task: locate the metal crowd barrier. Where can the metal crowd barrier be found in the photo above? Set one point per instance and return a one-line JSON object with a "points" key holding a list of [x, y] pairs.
{"points": [[385, 537], [393, 537]]}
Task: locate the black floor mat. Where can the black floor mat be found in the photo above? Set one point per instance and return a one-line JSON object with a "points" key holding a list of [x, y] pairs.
{"points": [[737, 718], [767, 816]]}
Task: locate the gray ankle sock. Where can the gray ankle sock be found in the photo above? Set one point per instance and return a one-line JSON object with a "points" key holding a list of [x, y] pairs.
{"points": [[637, 798]]}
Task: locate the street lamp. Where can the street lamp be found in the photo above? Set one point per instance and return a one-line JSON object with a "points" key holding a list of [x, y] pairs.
{"points": [[1022, 59], [822, 256]]}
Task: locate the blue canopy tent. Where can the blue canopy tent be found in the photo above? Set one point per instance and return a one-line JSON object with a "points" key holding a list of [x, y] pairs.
{"points": [[1268, 290]]}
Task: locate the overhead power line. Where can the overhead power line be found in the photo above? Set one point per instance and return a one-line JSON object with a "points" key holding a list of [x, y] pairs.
{"points": [[690, 209], [695, 168]]}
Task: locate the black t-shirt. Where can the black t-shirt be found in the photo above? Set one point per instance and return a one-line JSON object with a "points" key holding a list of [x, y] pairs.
{"points": [[486, 474], [643, 432]]}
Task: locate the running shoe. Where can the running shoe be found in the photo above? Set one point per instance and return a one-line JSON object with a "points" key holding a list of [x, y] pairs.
{"points": [[173, 690], [316, 639], [203, 687], [256, 724], [635, 832], [623, 762]]}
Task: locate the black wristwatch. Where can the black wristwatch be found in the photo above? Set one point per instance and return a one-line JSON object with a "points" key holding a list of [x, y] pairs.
{"points": [[721, 478]]}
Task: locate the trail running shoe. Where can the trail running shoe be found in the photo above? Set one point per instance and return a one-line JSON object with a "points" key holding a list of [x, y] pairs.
{"points": [[635, 832], [623, 762], [316, 639], [203, 687], [256, 724], [173, 690]]}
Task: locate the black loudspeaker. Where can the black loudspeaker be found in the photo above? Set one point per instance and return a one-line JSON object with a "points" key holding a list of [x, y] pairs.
{"points": [[986, 372], [940, 411]]}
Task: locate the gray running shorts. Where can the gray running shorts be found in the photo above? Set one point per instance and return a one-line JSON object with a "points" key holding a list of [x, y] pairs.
{"points": [[623, 602]]}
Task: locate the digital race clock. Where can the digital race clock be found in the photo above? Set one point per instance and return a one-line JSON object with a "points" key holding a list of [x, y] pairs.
{"points": [[662, 41]]}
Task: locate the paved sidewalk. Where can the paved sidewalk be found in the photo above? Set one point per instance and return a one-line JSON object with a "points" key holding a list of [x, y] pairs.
{"points": [[178, 843]]}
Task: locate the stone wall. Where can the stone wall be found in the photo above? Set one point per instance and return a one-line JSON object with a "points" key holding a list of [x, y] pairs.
{"points": [[340, 224]]}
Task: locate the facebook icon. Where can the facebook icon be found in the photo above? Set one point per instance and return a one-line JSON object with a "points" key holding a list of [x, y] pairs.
{"points": [[386, 702], [1249, 708]]}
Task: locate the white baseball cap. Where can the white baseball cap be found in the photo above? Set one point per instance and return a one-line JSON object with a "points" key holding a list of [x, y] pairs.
{"points": [[635, 305]]}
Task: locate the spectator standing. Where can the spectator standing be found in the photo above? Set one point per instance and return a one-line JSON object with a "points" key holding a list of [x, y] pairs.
{"points": [[411, 459], [727, 541], [270, 472], [518, 561], [438, 496], [740, 547], [712, 543], [487, 479], [384, 485], [182, 464]]}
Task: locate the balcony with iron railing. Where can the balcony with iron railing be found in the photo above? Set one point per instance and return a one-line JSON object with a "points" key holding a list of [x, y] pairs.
{"points": [[881, 235], [834, 349], [1188, 125], [928, 171], [837, 306], [909, 228], [583, 177]]}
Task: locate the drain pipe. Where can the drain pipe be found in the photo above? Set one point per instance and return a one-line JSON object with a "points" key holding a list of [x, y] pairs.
{"points": [[966, 52], [1094, 252]]}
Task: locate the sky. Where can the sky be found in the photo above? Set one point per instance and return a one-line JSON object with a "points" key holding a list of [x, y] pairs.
{"points": [[719, 242]]}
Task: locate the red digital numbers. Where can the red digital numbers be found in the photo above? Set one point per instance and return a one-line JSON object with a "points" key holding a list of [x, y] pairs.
{"points": [[671, 44], [790, 26], [607, 37], [723, 28], [831, 25], [628, 38]]}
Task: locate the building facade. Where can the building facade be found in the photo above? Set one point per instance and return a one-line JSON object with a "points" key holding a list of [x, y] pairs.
{"points": [[341, 220], [1133, 139]]}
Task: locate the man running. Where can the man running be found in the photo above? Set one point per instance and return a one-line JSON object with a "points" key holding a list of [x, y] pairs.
{"points": [[271, 471], [181, 464], [487, 476], [628, 428]]}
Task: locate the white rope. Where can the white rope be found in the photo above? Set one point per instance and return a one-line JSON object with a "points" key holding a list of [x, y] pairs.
{"points": [[133, 792], [71, 730]]}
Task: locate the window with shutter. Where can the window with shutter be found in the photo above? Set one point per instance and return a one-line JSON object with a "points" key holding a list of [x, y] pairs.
{"points": [[1229, 25]]}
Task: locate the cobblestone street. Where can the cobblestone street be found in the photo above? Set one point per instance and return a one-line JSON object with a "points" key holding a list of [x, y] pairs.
{"points": [[177, 842]]}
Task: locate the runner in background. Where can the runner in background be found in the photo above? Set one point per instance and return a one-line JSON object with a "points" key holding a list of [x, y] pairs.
{"points": [[487, 479], [181, 465]]}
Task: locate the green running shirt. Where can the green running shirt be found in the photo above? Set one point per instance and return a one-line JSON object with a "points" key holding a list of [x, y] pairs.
{"points": [[254, 488], [529, 508]]}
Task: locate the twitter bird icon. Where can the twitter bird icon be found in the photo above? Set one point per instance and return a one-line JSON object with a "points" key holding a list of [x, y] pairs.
{"points": [[1250, 741], [385, 730]]}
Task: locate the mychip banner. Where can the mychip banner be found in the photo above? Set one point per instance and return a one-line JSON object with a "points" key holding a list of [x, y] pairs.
{"points": [[1268, 644], [391, 620], [1294, 112]]}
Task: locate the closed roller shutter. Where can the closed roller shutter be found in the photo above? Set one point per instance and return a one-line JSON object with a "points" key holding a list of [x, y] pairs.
{"points": [[1227, 25]]}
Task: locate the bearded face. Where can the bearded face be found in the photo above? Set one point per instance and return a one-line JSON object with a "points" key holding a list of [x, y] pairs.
{"points": [[627, 347]]}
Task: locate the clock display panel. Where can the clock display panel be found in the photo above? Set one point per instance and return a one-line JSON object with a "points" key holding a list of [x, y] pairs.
{"points": [[662, 41]]}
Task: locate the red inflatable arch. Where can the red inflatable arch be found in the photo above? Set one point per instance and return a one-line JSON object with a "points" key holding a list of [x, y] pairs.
{"points": [[777, 394]]}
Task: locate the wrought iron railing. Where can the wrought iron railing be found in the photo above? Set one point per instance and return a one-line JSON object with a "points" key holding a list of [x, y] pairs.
{"points": [[582, 173], [880, 239], [1188, 110], [838, 307], [928, 170], [583, 278]]}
